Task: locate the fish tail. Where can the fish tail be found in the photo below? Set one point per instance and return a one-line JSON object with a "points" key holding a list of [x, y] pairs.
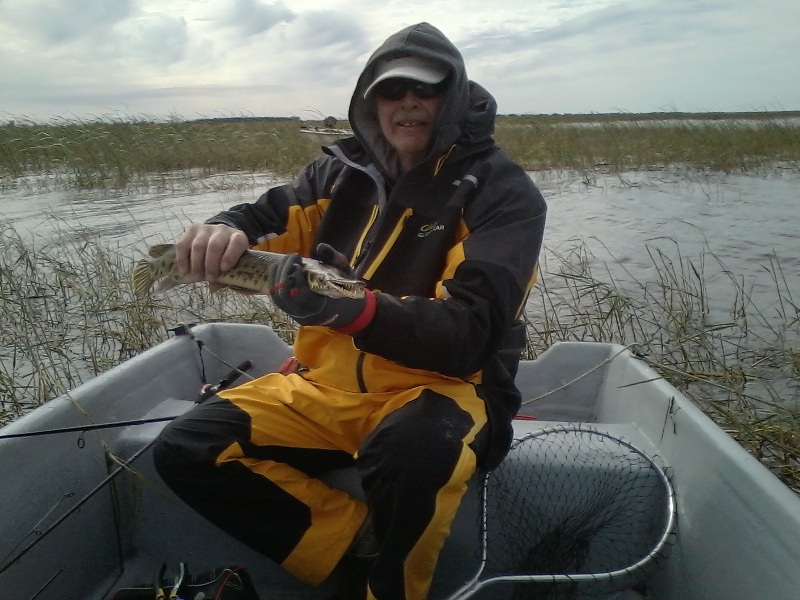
{"points": [[142, 278], [167, 283]]}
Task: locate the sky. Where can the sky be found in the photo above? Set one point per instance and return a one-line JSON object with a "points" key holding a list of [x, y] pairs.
{"points": [[119, 59]]}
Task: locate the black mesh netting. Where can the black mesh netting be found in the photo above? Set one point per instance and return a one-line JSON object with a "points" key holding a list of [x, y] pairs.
{"points": [[581, 511]]}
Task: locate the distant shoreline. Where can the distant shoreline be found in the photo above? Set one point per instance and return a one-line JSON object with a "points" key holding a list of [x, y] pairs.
{"points": [[116, 154], [783, 114], [21, 120]]}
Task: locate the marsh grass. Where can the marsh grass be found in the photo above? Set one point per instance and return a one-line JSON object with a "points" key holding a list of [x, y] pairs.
{"points": [[121, 153], [739, 364], [68, 314], [755, 144], [117, 154]]}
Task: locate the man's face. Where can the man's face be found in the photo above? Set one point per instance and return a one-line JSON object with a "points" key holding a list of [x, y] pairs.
{"points": [[407, 122]]}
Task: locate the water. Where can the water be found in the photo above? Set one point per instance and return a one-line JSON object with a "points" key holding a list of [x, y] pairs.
{"points": [[126, 219], [747, 222], [743, 219], [740, 227]]}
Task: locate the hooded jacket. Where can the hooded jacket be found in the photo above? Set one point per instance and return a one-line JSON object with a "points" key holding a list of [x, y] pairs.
{"points": [[450, 247]]}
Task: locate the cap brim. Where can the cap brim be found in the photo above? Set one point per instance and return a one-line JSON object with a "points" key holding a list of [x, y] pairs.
{"points": [[408, 69]]}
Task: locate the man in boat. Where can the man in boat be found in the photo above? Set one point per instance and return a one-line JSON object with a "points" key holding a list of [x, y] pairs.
{"points": [[413, 384]]}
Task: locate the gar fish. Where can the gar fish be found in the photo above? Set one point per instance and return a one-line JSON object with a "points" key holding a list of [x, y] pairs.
{"points": [[160, 273]]}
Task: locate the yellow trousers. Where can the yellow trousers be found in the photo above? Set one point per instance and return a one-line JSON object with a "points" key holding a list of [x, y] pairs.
{"points": [[250, 462]]}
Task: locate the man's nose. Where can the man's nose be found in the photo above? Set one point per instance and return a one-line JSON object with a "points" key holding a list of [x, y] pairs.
{"points": [[409, 99]]}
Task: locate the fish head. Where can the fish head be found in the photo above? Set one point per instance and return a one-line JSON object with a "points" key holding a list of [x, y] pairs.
{"points": [[330, 281]]}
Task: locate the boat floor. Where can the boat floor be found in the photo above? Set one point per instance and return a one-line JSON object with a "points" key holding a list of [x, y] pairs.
{"points": [[165, 531]]}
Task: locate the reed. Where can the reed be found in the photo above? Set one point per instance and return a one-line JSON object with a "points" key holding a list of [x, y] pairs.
{"points": [[586, 145], [737, 363], [68, 313], [117, 154], [141, 151]]}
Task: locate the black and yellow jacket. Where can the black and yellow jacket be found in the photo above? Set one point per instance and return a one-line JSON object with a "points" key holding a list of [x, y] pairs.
{"points": [[450, 247]]}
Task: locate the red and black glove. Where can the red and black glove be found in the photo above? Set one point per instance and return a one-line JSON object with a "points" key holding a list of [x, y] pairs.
{"points": [[290, 292]]}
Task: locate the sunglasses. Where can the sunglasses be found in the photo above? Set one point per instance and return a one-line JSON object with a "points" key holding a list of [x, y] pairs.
{"points": [[396, 88]]}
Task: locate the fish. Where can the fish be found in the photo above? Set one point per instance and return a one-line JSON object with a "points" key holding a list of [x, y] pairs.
{"points": [[160, 273]]}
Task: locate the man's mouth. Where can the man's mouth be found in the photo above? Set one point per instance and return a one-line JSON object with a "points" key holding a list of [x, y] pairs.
{"points": [[410, 122]]}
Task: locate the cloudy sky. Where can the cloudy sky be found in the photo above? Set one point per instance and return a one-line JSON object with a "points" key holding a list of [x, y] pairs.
{"points": [[210, 58]]}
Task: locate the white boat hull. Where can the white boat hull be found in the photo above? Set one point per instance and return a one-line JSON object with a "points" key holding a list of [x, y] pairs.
{"points": [[738, 531]]}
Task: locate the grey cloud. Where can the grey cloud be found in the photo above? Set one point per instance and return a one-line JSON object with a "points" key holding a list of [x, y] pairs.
{"points": [[58, 21], [627, 54], [597, 36], [87, 55], [645, 22], [327, 28], [250, 17], [158, 39], [330, 46]]}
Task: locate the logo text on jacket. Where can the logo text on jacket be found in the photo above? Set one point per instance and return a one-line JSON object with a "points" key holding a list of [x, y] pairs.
{"points": [[430, 228]]}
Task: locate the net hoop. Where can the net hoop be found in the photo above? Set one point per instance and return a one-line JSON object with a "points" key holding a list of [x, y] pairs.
{"points": [[622, 574]]}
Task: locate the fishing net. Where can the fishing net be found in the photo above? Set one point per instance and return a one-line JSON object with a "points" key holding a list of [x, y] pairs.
{"points": [[572, 512]]}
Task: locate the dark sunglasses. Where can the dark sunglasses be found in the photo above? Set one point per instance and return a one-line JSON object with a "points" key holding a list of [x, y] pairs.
{"points": [[396, 88]]}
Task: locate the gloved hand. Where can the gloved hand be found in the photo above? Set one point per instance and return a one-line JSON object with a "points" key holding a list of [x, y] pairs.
{"points": [[330, 256], [290, 292]]}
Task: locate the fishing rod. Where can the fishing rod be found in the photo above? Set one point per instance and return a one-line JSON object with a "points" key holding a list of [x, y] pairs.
{"points": [[109, 478], [89, 427], [206, 392]]}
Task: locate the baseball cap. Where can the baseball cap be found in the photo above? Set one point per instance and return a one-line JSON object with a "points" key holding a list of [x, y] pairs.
{"points": [[408, 67]]}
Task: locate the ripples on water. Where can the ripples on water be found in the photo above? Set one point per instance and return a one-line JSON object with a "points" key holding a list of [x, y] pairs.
{"points": [[743, 219], [129, 220], [746, 223]]}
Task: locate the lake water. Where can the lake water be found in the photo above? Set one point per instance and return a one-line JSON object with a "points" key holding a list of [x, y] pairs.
{"points": [[747, 222], [742, 219], [728, 226]]}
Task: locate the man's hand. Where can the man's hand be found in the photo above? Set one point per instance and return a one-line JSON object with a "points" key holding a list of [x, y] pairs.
{"points": [[204, 251], [290, 292]]}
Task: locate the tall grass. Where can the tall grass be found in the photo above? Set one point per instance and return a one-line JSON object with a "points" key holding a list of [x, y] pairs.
{"points": [[579, 144], [115, 154], [740, 365], [68, 313]]}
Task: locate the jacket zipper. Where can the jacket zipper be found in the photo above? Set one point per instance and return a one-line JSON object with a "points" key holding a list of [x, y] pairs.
{"points": [[365, 242], [387, 245]]}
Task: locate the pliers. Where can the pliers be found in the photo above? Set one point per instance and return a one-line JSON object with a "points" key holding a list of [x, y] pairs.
{"points": [[175, 593]]}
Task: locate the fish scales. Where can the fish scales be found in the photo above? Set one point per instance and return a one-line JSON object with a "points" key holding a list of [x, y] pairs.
{"points": [[160, 272]]}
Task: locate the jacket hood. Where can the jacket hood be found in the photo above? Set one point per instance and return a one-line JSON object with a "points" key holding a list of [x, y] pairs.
{"points": [[467, 112]]}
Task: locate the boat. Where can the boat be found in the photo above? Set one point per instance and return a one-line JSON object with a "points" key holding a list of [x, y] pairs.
{"points": [[326, 131], [84, 514]]}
